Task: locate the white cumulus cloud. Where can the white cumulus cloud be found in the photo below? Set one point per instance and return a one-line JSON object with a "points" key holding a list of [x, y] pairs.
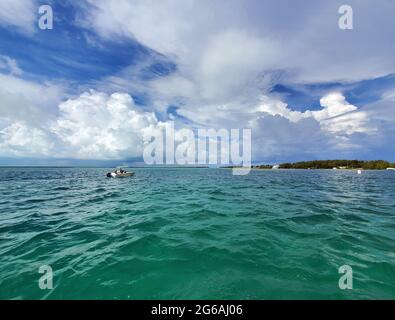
{"points": [[336, 116], [100, 126], [19, 139]]}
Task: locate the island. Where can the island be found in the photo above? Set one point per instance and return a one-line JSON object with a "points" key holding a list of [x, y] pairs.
{"points": [[339, 164], [327, 164]]}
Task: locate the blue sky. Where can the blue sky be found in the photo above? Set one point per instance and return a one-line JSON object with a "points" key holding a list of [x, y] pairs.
{"points": [[307, 89], [68, 52]]}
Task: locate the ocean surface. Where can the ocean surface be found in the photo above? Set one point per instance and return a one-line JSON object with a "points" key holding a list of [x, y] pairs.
{"points": [[196, 234]]}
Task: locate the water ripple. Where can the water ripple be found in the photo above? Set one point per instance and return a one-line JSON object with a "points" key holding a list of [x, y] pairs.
{"points": [[196, 233]]}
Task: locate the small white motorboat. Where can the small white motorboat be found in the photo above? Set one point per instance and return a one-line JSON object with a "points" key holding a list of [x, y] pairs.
{"points": [[119, 173]]}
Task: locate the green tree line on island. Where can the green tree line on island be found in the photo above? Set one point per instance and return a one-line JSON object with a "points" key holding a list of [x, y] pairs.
{"points": [[340, 164]]}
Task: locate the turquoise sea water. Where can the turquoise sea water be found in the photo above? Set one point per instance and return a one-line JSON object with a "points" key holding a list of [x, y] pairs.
{"points": [[196, 234]]}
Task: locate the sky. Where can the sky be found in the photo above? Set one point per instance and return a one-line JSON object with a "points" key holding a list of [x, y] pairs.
{"points": [[109, 71]]}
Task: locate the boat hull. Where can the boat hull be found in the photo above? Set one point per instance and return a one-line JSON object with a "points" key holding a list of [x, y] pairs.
{"points": [[120, 175], [125, 175]]}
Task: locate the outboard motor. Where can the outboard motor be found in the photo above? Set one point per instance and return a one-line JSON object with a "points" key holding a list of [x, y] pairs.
{"points": [[109, 175]]}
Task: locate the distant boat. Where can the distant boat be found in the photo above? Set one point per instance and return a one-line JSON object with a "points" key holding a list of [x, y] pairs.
{"points": [[334, 168], [119, 173], [276, 167], [359, 171], [390, 168]]}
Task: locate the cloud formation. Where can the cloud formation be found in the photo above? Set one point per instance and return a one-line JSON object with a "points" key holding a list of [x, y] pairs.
{"points": [[19, 139], [229, 57], [225, 61], [9, 65], [270, 34], [100, 126], [19, 14], [94, 126]]}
